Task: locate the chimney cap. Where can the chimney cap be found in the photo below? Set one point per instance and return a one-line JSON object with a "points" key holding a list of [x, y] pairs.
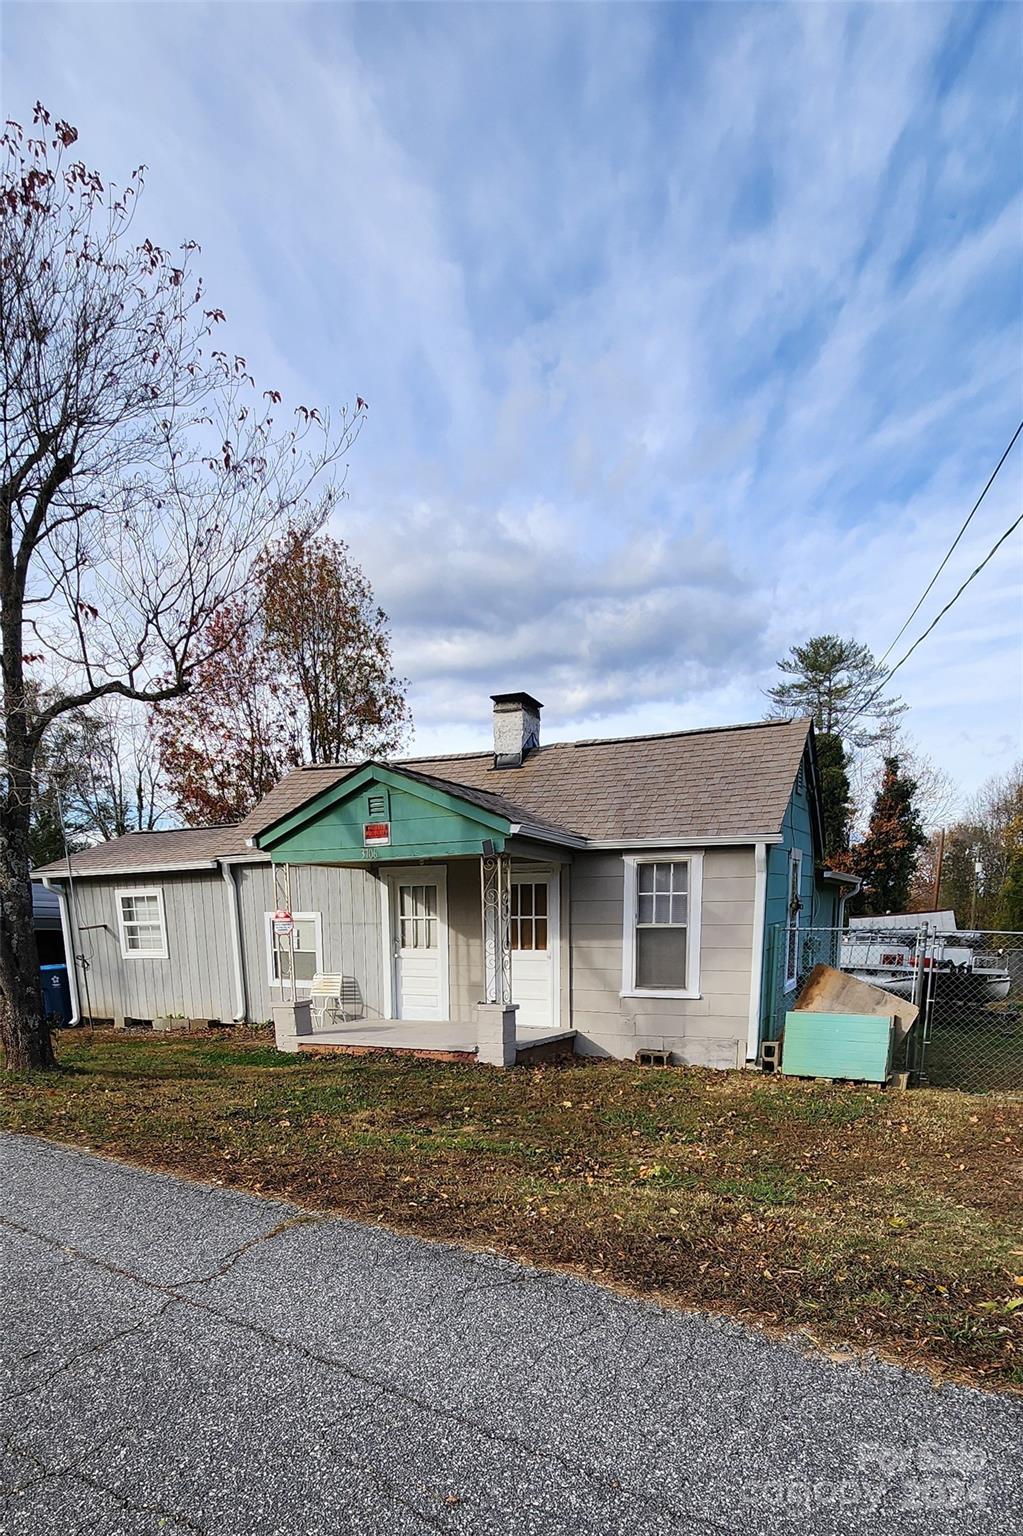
{"points": [[526, 700]]}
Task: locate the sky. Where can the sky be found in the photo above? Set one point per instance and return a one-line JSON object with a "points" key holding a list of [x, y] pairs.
{"points": [[687, 331]]}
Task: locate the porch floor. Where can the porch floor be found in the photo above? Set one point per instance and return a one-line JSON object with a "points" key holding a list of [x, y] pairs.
{"points": [[444, 1036]]}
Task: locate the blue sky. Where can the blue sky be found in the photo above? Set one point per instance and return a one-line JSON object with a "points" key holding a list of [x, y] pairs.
{"points": [[687, 331]]}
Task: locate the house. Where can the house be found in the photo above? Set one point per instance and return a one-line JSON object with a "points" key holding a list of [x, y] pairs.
{"points": [[612, 895]]}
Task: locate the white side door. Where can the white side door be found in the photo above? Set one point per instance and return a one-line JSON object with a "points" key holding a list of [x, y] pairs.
{"points": [[534, 948], [419, 945]]}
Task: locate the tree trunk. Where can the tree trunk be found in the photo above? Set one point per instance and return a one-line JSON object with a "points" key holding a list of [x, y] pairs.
{"points": [[24, 1031]]}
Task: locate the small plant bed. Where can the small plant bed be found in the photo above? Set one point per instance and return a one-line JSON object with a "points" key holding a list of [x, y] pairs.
{"points": [[861, 1218]]}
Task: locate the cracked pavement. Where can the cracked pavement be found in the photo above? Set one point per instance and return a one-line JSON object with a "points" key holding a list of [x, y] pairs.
{"points": [[184, 1359]]}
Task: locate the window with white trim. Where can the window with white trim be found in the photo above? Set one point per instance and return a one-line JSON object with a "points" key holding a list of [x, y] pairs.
{"points": [[794, 907], [661, 950], [307, 948], [141, 925]]}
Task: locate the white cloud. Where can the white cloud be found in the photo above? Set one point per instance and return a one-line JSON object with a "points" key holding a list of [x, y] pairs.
{"points": [[685, 332]]}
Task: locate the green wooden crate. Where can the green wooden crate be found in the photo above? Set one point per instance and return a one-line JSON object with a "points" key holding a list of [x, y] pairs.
{"points": [[850, 1045]]}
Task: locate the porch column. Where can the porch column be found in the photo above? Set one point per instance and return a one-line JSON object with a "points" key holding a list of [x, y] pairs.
{"points": [[291, 1016], [495, 1015]]}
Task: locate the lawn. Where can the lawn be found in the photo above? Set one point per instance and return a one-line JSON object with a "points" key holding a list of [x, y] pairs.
{"points": [[859, 1218]]}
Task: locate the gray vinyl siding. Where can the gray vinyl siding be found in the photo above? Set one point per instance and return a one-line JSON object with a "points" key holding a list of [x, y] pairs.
{"points": [[709, 1030], [349, 904], [196, 979], [465, 939]]}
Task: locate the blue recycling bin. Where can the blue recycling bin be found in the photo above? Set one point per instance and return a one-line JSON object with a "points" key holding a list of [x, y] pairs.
{"points": [[56, 994]]}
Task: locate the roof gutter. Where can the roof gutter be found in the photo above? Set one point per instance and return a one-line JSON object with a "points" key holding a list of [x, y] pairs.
{"points": [[545, 835], [129, 869], [69, 950], [683, 842]]}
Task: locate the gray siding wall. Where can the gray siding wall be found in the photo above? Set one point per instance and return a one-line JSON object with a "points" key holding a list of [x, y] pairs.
{"points": [[465, 939], [348, 901], [706, 1031], [196, 979]]}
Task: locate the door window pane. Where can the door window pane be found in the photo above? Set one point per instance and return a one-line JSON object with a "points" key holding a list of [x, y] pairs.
{"points": [[418, 921], [529, 915]]}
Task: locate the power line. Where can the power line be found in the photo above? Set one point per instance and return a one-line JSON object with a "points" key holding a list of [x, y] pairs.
{"points": [[952, 546], [844, 725]]}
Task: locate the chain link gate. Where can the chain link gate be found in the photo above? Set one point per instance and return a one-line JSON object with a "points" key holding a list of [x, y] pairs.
{"points": [[968, 986]]}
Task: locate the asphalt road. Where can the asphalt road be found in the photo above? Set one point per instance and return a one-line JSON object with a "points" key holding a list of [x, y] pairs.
{"points": [[184, 1359]]}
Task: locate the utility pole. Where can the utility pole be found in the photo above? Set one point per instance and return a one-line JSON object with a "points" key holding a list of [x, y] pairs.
{"points": [[936, 903], [977, 868]]}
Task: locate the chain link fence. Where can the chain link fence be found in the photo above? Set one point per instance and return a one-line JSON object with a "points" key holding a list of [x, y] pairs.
{"points": [[968, 985]]}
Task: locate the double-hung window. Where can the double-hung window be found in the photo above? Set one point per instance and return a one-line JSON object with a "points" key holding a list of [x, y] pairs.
{"points": [[306, 948], [661, 949], [792, 918], [141, 924]]}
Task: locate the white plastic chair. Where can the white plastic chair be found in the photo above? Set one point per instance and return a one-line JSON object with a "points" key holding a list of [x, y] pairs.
{"points": [[333, 997]]}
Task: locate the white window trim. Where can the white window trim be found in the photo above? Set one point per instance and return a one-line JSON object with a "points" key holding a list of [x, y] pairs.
{"points": [[792, 918], [305, 917], [631, 862], [141, 954]]}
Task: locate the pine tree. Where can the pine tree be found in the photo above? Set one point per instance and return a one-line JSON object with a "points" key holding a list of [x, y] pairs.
{"points": [[831, 679], [886, 858], [836, 795]]}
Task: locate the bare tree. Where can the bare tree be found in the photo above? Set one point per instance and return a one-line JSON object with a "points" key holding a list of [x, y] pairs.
{"points": [[118, 786], [142, 473]]}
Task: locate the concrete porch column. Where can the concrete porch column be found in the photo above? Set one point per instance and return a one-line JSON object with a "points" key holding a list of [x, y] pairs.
{"points": [[495, 1033], [291, 1022]]}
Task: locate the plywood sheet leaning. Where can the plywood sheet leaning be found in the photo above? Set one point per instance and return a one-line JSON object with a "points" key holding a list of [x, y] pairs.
{"points": [[829, 991]]}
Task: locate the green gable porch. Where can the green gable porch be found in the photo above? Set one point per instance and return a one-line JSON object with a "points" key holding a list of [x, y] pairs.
{"points": [[470, 904]]}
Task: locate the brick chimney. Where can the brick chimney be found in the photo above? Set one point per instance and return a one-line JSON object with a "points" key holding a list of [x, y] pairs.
{"points": [[516, 727]]}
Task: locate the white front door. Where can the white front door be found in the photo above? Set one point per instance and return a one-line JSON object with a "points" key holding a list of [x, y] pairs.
{"points": [[418, 908], [534, 937]]}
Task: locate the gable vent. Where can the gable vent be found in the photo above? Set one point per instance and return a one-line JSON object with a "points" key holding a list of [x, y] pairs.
{"points": [[377, 805]]}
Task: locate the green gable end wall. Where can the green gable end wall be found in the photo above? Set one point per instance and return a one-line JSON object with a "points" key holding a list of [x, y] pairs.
{"points": [[419, 830]]}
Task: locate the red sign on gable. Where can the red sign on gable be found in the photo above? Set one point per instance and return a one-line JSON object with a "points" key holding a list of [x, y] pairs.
{"points": [[376, 834]]}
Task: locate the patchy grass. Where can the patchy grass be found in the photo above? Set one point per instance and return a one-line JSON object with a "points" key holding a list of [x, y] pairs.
{"points": [[874, 1219]]}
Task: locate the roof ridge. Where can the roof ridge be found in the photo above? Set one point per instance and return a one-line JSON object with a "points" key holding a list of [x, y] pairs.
{"points": [[210, 826], [603, 741]]}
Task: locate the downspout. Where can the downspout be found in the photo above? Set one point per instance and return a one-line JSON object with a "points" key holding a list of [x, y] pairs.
{"points": [[69, 950], [234, 923], [757, 966], [848, 891]]}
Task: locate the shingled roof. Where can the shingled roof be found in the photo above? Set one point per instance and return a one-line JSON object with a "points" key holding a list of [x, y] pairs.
{"points": [[151, 850], [733, 781], [713, 784]]}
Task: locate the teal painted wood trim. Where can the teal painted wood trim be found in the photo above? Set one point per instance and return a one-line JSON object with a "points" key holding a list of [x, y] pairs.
{"points": [[853, 1045], [356, 784], [421, 828]]}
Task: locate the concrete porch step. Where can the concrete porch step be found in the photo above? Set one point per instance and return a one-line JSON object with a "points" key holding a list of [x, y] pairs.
{"points": [[533, 1046]]}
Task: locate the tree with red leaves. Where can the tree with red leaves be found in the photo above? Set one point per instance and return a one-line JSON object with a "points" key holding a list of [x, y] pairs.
{"points": [[886, 858], [142, 475], [308, 678]]}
